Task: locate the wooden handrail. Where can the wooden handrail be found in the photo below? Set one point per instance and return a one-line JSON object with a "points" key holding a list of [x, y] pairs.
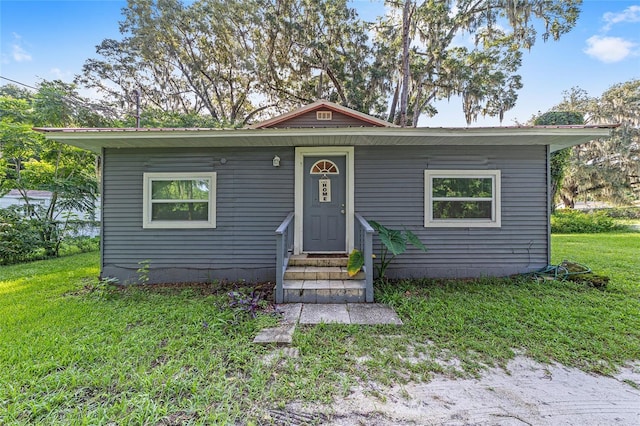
{"points": [[285, 224], [284, 244], [366, 247]]}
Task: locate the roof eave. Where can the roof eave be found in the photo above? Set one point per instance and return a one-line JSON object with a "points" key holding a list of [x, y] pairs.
{"points": [[556, 137]]}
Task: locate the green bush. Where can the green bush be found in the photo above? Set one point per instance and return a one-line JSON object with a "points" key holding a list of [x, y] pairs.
{"points": [[575, 222], [19, 238], [80, 244], [623, 212]]}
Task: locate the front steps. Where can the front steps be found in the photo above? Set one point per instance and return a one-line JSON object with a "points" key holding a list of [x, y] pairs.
{"points": [[317, 279]]}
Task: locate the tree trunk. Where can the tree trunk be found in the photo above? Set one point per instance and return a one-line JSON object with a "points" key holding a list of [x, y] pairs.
{"points": [[404, 97], [394, 104], [319, 95], [552, 195]]}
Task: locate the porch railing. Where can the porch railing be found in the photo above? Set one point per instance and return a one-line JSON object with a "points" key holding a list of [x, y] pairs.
{"points": [[364, 242], [284, 248]]}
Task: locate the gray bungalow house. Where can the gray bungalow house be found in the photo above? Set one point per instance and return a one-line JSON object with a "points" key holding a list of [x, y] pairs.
{"points": [[286, 199]]}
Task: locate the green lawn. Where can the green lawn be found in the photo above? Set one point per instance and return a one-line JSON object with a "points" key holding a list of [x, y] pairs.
{"points": [[76, 352]]}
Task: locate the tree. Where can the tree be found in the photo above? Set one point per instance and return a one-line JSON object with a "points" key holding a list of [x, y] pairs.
{"points": [[232, 59], [29, 162], [606, 169], [185, 59], [314, 49], [559, 161], [157, 118], [483, 75], [15, 92]]}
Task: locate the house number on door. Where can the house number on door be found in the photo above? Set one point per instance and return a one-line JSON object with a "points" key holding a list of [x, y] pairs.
{"points": [[325, 190]]}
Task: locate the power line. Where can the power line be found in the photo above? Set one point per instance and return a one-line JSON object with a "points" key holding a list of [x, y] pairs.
{"points": [[70, 98], [17, 82]]}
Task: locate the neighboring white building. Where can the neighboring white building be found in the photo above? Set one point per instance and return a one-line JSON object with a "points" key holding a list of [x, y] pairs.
{"points": [[43, 198], [15, 198]]}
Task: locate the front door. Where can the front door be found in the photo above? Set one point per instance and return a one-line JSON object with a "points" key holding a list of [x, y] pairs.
{"points": [[324, 223]]}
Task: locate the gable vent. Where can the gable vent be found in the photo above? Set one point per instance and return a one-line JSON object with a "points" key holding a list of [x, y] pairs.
{"points": [[323, 115]]}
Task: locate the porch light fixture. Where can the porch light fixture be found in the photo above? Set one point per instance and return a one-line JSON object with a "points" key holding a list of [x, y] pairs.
{"points": [[276, 161]]}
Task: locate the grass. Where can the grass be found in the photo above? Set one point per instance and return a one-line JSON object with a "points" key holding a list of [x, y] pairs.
{"points": [[70, 356], [73, 351], [483, 322]]}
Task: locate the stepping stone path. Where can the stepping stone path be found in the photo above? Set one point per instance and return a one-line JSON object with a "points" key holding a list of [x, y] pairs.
{"points": [[344, 313]]}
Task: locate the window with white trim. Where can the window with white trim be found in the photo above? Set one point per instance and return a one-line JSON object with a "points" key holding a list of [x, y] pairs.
{"points": [[179, 200], [462, 198]]}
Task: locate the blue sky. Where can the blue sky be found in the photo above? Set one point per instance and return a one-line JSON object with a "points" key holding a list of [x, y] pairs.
{"points": [[52, 39]]}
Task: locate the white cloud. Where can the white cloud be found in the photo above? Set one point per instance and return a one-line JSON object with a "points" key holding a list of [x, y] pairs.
{"points": [[55, 72], [17, 51], [609, 49], [59, 74], [19, 54], [630, 14]]}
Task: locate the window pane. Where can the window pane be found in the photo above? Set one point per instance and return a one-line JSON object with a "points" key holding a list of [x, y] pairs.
{"points": [[180, 211], [463, 187], [462, 210], [192, 189]]}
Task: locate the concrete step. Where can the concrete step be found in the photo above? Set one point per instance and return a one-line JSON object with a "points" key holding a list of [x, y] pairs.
{"points": [[324, 291], [305, 260], [320, 273]]}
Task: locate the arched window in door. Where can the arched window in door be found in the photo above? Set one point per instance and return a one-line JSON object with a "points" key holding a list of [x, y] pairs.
{"points": [[324, 167]]}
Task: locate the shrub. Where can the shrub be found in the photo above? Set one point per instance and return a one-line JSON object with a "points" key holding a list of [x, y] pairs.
{"points": [[623, 212], [22, 238], [80, 244], [19, 238], [575, 221]]}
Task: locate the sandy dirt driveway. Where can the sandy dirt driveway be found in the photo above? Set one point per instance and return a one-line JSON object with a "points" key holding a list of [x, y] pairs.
{"points": [[528, 393]]}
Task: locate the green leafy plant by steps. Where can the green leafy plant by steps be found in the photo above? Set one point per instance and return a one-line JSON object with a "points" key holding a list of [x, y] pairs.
{"points": [[355, 262], [394, 243]]}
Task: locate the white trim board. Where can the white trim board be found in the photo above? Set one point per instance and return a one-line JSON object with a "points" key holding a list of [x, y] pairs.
{"points": [[301, 152]]}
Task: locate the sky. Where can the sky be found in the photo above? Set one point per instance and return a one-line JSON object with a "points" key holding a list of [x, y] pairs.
{"points": [[52, 40]]}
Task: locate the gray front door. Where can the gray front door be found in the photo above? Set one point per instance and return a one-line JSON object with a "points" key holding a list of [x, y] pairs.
{"points": [[324, 222]]}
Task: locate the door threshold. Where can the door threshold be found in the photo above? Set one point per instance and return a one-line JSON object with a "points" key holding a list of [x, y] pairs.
{"points": [[330, 254]]}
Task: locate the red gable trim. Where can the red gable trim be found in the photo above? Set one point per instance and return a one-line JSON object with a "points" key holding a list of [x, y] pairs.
{"points": [[322, 104]]}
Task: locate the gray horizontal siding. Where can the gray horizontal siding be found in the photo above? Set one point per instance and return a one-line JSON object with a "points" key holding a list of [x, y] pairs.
{"points": [[390, 190], [253, 198]]}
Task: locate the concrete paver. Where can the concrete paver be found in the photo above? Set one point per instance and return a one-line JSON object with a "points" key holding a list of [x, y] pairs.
{"points": [[350, 313], [282, 335], [372, 313], [324, 313], [337, 313], [290, 312]]}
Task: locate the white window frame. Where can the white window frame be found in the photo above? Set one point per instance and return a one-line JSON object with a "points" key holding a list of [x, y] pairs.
{"points": [[324, 115], [147, 222], [496, 204]]}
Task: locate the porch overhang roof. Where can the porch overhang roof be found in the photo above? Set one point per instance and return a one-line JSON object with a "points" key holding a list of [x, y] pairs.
{"points": [[557, 137]]}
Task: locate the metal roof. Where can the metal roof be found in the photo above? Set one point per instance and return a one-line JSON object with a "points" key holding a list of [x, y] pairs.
{"points": [[557, 137]]}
